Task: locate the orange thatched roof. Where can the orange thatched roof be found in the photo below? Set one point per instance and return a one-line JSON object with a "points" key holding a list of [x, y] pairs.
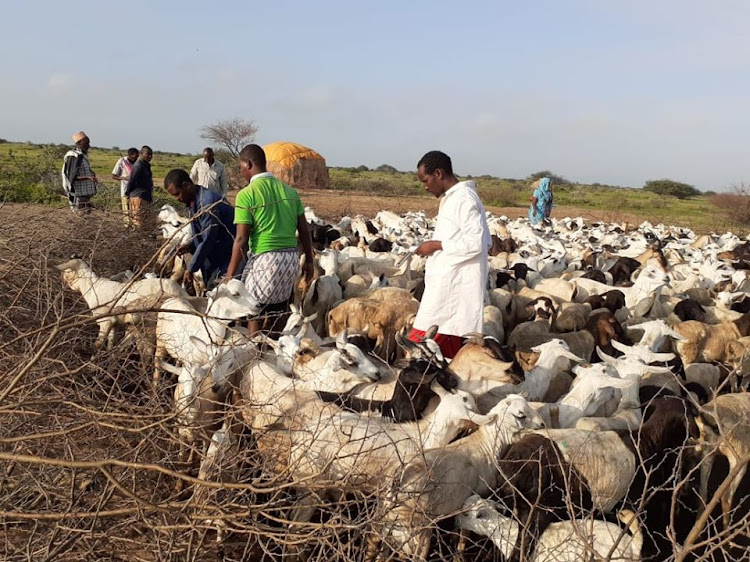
{"points": [[288, 153]]}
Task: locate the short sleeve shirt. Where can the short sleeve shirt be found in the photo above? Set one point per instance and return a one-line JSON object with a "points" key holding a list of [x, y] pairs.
{"points": [[123, 169], [271, 208]]}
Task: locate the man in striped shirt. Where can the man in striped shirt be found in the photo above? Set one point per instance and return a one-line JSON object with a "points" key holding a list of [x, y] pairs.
{"points": [[79, 181], [121, 172]]}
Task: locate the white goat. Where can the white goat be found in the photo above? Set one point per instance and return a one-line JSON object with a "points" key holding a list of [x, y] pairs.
{"points": [[554, 356], [332, 365], [565, 541], [103, 295], [437, 483], [179, 320]]}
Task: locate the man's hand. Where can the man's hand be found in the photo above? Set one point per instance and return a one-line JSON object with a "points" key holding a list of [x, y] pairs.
{"points": [[309, 272], [428, 248], [309, 269], [187, 278]]}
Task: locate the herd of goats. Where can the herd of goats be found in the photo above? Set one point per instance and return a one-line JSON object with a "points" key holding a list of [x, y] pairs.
{"points": [[609, 375]]}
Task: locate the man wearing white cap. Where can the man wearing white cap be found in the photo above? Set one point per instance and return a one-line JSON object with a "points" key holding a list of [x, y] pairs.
{"points": [[79, 181]]}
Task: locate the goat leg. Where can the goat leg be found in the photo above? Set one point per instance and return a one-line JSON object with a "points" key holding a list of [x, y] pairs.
{"points": [[728, 497], [706, 466], [461, 546]]}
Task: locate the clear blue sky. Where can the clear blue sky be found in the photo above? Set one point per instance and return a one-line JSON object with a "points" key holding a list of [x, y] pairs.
{"points": [[614, 92]]}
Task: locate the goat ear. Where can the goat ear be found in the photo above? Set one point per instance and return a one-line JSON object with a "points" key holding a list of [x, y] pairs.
{"points": [[341, 339], [437, 388], [201, 345], [168, 367], [405, 343], [608, 359], [431, 332], [73, 264], [293, 308], [484, 420], [656, 370], [312, 317], [314, 298], [621, 347]]}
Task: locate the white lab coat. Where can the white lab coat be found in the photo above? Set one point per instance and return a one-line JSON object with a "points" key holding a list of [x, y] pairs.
{"points": [[456, 276]]}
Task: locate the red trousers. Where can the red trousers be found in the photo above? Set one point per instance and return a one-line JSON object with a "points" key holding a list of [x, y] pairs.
{"points": [[449, 345]]}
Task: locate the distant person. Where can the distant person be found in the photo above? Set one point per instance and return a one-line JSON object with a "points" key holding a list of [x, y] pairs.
{"points": [[268, 214], [121, 172], [541, 201], [212, 225], [457, 266], [140, 188], [210, 173], [78, 179]]}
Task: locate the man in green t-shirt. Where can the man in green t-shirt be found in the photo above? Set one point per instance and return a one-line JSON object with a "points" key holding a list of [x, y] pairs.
{"points": [[268, 214]]}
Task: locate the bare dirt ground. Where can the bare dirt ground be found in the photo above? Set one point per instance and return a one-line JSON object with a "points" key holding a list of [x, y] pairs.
{"points": [[334, 204]]}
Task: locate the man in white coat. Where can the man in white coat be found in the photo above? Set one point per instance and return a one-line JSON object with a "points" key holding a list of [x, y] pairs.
{"points": [[457, 267]]}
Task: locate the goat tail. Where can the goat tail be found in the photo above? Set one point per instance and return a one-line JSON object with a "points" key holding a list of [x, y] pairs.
{"points": [[627, 517]]}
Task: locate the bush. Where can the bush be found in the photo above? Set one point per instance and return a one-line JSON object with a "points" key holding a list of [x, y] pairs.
{"points": [[33, 179], [501, 196], [671, 188], [553, 178], [736, 205], [385, 168]]}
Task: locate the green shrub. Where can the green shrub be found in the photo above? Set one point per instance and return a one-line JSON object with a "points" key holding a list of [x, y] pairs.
{"points": [[32, 178], [670, 187], [386, 168], [554, 178]]}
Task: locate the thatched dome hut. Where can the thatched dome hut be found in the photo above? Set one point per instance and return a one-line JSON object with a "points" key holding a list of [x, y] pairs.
{"points": [[296, 165]]}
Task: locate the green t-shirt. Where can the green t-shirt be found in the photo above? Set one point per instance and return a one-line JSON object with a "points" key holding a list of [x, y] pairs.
{"points": [[271, 208]]}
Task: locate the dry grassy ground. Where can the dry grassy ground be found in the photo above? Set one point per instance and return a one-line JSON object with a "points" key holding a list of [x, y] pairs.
{"points": [[333, 204]]}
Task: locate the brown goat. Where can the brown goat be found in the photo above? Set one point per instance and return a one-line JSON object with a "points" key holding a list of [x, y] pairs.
{"points": [[704, 343]]}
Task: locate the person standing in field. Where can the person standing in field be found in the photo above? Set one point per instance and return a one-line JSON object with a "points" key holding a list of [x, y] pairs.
{"points": [[140, 188], [541, 201], [78, 179], [268, 214], [457, 264], [212, 226], [210, 173], [121, 172]]}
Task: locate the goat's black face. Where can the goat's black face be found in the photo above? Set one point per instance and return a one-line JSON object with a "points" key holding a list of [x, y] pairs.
{"points": [[614, 300], [447, 379], [521, 270], [502, 278], [417, 372]]}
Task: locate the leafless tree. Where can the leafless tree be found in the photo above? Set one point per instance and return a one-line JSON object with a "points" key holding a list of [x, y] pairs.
{"points": [[230, 134]]}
